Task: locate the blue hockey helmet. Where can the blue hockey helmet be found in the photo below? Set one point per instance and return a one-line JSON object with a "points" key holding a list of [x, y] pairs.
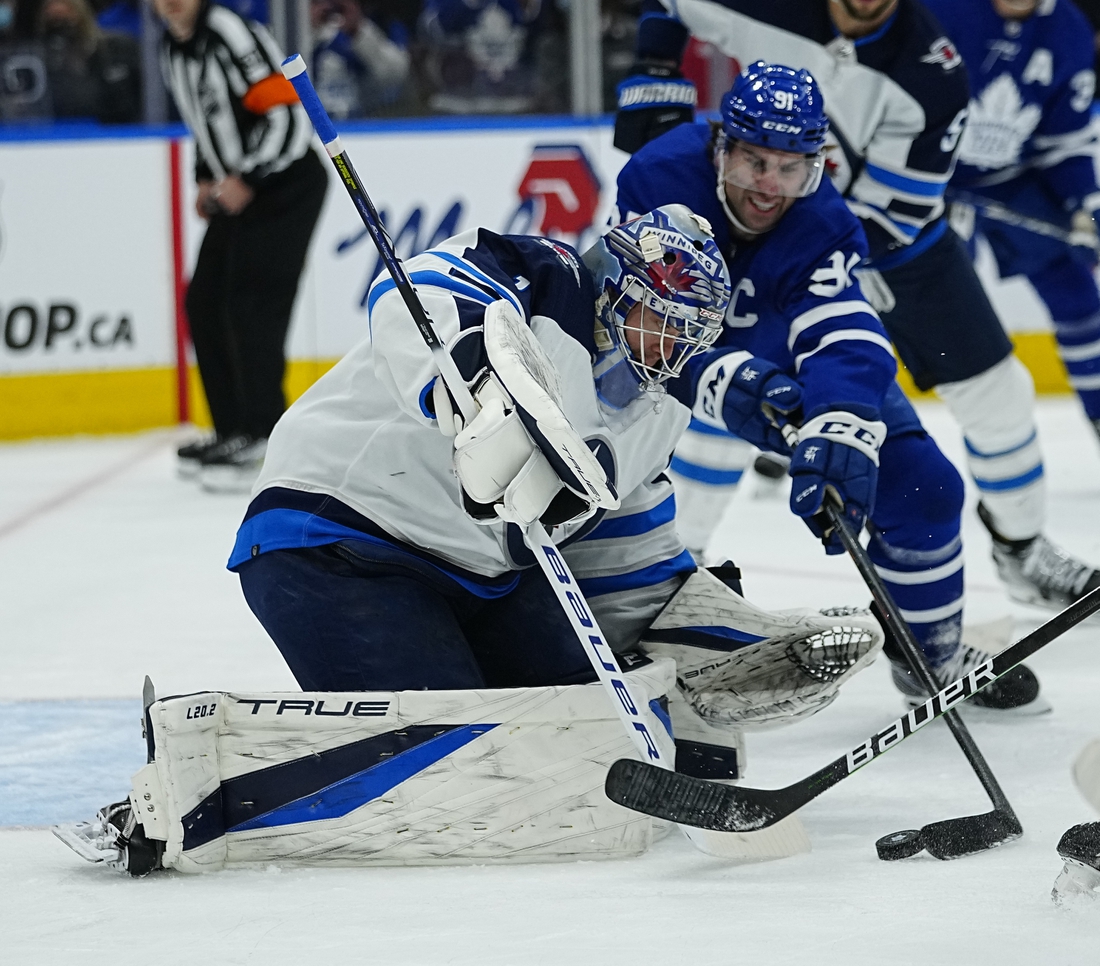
{"points": [[668, 261], [778, 107]]}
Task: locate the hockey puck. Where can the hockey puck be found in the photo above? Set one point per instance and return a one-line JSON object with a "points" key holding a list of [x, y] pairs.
{"points": [[771, 466], [899, 845]]}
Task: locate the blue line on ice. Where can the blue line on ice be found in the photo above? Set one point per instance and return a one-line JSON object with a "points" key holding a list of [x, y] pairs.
{"points": [[60, 761]]}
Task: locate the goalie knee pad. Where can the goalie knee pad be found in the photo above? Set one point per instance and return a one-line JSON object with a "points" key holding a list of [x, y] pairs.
{"points": [[743, 667], [393, 778], [996, 412]]}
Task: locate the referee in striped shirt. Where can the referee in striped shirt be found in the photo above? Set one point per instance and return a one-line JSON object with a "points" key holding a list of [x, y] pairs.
{"points": [[260, 187]]}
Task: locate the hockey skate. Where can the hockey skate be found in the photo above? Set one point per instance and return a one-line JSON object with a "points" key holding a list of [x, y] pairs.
{"points": [[1080, 847], [1037, 571], [233, 465], [189, 456], [114, 838], [1015, 694]]}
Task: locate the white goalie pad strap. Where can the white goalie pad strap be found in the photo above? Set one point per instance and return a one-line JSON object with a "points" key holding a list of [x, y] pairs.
{"points": [[843, 427], [527, 373], [746, 667], [400, 778]]}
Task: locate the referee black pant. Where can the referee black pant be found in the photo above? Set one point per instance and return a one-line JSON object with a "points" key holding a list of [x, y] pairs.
{"points": [[242, 293]]}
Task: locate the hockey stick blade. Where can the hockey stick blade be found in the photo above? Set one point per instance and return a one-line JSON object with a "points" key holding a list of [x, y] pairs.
{"points": [[957, 837], [730, 808]]}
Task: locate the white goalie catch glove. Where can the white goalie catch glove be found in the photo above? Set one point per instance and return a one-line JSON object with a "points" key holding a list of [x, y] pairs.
{"points": [[505, 474], [741, 666]]}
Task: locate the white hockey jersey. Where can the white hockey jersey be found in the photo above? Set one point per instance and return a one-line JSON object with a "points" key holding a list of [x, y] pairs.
{"points": [[360, 455]]}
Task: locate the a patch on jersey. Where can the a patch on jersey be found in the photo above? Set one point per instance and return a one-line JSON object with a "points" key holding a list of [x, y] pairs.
{"points": [[564, 256], [943, 52]]}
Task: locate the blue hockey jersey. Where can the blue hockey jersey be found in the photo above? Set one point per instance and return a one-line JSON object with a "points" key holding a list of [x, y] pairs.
{"points": [[1031, 88], [795, 299]]}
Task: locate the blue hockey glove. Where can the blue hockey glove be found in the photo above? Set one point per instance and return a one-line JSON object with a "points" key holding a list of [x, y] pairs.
{"points": [[837, 451], [754, 384]]}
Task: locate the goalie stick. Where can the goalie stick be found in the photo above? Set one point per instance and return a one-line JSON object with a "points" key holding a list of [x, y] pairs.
{"points": [[692, 801], [786, 841]]}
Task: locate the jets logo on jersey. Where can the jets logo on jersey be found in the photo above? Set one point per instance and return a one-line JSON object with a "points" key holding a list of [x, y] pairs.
{"points": [[832, 279], [942, 52]]}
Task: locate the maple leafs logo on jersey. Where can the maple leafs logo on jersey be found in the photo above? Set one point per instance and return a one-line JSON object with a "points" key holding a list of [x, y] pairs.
{"points": [[999, 125], [943, 52]]}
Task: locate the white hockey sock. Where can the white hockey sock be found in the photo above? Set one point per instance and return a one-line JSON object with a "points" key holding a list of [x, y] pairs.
{"points": [[706, 469], [996, 412]]}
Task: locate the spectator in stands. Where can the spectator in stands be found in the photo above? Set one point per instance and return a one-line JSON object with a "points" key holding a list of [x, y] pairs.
{"points": [[91, 74], [481, 55], [357, 69]]}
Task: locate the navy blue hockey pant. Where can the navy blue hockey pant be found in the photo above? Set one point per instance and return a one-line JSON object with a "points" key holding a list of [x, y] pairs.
{"points": [[915, 528], [943, 325], [1062, 276], [355, 617]]}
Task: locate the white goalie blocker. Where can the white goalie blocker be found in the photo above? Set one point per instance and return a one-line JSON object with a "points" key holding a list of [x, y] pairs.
{"points": [[393, 778], [520, 452], [742, 667]]}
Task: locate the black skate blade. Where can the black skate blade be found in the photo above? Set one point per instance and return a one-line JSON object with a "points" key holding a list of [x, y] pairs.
{"points": [[686, 801], [954, 838]]}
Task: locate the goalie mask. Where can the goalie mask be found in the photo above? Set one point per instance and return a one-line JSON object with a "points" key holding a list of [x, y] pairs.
{"points": [[667, 264]]}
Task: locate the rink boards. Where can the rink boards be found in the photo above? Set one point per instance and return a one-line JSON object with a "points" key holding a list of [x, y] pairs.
{"points": [[98, 237]]}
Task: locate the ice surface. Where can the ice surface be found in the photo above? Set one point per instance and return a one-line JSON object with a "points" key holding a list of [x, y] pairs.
{"points": [[112, 568]]}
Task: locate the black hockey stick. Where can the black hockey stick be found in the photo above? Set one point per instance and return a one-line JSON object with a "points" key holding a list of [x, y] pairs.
{"points": [[693, 801], [957, 836], [1009, 216]]}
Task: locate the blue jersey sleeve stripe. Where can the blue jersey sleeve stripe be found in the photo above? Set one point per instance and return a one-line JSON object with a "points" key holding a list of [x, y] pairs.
{"points": [[438, 279], [635, 524], [899, 182], [477, 273], [658, 573]]}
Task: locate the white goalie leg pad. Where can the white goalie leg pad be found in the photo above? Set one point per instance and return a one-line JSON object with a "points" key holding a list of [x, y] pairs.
{"points": [[996, 410], [745, 667], [399, 778], [531, 379]]}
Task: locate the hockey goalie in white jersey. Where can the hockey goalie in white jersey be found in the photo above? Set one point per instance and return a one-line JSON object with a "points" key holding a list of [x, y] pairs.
{"points": [[447, 712]]}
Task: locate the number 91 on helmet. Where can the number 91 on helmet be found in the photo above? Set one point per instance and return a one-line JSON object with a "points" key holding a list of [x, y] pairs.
{"points": [[773, 132], [662, 290]]}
